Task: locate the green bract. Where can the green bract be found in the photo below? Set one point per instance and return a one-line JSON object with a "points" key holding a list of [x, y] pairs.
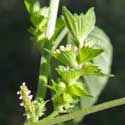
{"points": [[38, 18], [79, 25], [77, 89], [69, 75], [86, 54], [32, 6], [66, 55], [91, 69], [39, 21], [66, 95]]}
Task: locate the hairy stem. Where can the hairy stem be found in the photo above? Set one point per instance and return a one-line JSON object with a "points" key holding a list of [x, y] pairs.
{"points": [[53, 10], [45, 60], [44, 74], [93, 109]]}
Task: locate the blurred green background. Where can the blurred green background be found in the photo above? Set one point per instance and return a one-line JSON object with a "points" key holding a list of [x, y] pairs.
{"points": [[19, 57]]}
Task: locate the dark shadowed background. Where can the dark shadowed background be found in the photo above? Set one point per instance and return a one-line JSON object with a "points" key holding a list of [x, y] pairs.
{"points": [[19, 57]]}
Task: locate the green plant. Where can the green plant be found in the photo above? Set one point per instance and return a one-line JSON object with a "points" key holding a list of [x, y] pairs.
{"points": [[72, 66]]}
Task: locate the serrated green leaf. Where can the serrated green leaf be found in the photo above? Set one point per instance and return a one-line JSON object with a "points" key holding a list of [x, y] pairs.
{"points": [[91, 69], [77, 89], [32, 6], [69, 75], [79, 25], [39, 18], [67, 98], [96, 84], [86, 54], [69, 20], [39, 21], [66, 55], [58, 87]]}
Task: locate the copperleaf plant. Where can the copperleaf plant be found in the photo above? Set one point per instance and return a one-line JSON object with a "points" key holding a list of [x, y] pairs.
{"points": [[75, 65]]}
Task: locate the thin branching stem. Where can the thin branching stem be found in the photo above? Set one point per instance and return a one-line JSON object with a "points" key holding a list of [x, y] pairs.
{"points": [[53, 10], [93, 109], [60, 38]]}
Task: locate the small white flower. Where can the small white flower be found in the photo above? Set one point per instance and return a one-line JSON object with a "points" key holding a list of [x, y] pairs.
{"points": [[20, 97], [18, 92], [62, 85], [58, 51], [69, 45], [28, 116], [30, 97], [29, 92], [35, 101], [23, 84], [21, 104], [62, 48]]}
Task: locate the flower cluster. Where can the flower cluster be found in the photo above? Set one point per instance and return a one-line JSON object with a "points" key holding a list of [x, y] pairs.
{"points": [[33, 109], [67, 95], [68, 47], [76, 63]]}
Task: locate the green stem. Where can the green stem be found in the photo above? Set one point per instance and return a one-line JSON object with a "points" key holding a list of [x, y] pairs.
{"points": [[44, 74], [93, 109], [45, 60], [54, 4], [51, 116], [60, 38]]}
